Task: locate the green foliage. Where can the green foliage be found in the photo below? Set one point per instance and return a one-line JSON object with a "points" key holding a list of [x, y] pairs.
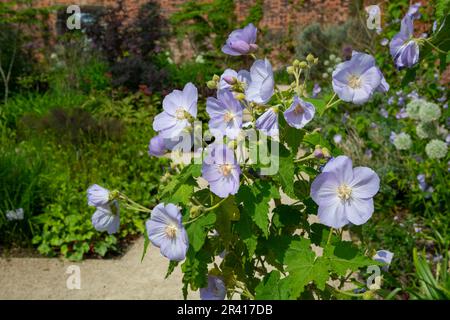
{"points": [[205, 23]]}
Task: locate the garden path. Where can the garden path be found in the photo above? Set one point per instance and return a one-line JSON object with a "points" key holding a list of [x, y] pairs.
{"points": [[121, 278]]}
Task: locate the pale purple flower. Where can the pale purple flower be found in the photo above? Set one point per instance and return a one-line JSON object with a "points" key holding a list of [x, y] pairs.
{"points": [[345, 117], [384, 256], [413, 11], [392, 136], [261, 87], [390, 100], [442, 99], [422, 183], [97, 196], [230, 77], [179, 107], [384, 42], [156, 146], [299, 113], [403, 48], [216, 289], [373, 125], [166, 231], [401, 114], [368, 153], [316, 90], [107, 217], [434, 26], [268, 122], [413, 95], [384, 113], [357, 79], [221, 170], [337, 138], [241, 41], [344, 194], [225, 115]]}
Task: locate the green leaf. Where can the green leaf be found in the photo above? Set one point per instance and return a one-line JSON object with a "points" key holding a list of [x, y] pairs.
{"points": [[292, 136], [286, 172], [255, 201], [195, 270], [316, 138], [344, 256], [271, 288], [197, 230], [303, 267], [171, 268], [146, 243]]}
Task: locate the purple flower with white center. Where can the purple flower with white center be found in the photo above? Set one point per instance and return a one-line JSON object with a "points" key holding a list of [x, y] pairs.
{"points": [[357, 79], [384, 256], [384, 42], [221, 170], [337, 138], [299, 113], [97, 196], [216, 289], [241, 41], [384, 113], [107, 217], [261, 87], [179, 108], [413, 11], [166, 231], [316, 90], [231, 77], [156, 146], [226, 115], [403, 48], [268, 122], [344, 194], [401, 114]]}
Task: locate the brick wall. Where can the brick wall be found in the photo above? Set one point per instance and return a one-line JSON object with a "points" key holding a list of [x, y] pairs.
{"points": [[278, 14]]}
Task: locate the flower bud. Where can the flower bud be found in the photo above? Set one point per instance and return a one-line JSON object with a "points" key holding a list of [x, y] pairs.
{"points": [[310, 58], [296, 63], [195, 211], [303, 64], [216, 78], [290, 70], [326, 153], [316, 60], [318, 153], [240, 96], [211, 84], [230, 80]]}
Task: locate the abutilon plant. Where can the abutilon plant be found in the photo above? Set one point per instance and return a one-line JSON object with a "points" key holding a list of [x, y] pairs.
{"points": [[232, 229]]}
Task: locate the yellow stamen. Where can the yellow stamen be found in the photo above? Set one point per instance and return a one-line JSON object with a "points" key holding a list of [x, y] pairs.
{"points": [[344, 192], [354, 81], [171, 231]]}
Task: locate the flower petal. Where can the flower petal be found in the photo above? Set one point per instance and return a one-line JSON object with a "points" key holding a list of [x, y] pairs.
{"points": [[365, 183]]}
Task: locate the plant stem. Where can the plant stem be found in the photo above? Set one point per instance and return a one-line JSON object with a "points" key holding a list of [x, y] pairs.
{"points": [[329, 235]]}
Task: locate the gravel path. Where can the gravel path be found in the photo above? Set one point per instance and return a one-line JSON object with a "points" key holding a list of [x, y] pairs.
{"points": [[123, 278]]}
